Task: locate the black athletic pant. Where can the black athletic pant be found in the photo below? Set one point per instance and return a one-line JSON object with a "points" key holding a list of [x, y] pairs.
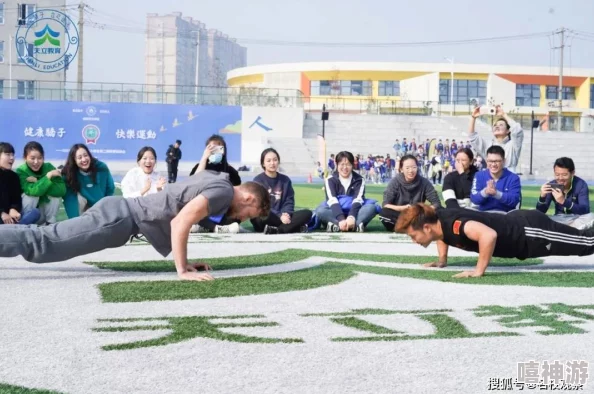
{"points": [[545, 237], [172, 172], [388, 217], [298, 219]]}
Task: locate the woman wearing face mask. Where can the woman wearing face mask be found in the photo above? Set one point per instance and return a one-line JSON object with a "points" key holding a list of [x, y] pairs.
{"points": [[458, 184], [42, 184], [87, 179], [406, 189], [214, 158], [143, 179], [345, 208], [282, 218]]}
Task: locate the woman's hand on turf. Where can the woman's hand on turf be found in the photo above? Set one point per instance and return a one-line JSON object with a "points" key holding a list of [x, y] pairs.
{"points": [[343, 225], [468, 274], [435, 264]]}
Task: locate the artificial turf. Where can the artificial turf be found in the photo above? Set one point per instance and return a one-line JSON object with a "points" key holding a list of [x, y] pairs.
{"points": [[9, 389], [292, 255], [327, 274]]}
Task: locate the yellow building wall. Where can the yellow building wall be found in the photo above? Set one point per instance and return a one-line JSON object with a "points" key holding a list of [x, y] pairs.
{"points": [[582, 94], [472, 77], [246, 79], [543, 96], [375, 88], [338, 75]]}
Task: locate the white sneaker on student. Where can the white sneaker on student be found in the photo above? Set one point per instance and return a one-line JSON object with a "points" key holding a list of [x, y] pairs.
{"points": [[196, 228], [232, 228], [332, 228]]}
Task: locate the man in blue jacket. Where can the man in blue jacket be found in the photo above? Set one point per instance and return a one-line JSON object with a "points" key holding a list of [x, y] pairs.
{"points": [[570, 195], [497, 189]]}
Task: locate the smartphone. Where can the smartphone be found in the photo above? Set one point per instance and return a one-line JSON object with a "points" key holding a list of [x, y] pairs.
{"points": [[487, 110], [556, 186]]}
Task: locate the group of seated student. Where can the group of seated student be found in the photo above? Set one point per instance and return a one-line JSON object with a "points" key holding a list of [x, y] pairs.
{"points": [[33, 193]]}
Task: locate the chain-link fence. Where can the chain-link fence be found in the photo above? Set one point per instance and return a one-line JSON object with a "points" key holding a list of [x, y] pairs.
{"points": [[153, 94]]}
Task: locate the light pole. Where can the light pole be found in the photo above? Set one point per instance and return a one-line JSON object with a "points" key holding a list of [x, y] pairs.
{"points": [[451, 60]]}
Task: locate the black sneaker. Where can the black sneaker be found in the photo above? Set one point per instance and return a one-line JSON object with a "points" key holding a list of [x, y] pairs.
{"points": [[360, 228], [270, 230], [303, 229]]}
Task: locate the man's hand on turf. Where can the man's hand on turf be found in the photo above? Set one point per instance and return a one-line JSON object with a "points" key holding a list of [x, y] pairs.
{"points": [[200, 267], [191, 272], [435, 264], [468, 274]]}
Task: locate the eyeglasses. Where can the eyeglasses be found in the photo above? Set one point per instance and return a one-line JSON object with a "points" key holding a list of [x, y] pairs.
{"points": [[494, 161], [410, 168], [347, 165]]}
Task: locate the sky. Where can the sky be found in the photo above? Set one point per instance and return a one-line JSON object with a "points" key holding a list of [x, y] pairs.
{"points": [[112, 56]]}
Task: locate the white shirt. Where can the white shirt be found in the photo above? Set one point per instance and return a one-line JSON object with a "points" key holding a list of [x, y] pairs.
{"points": [[134, 181]]}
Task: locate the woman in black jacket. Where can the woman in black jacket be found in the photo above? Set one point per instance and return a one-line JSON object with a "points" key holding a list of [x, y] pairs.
{"points": [[214, 158], [457, 184]]}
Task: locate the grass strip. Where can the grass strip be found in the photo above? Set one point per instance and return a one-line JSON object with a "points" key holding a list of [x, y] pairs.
{"points": [[292, 255], [327, 274]]}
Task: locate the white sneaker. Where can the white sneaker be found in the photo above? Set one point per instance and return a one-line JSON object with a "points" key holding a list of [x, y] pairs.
{"points": [[232, 228], [332, 228], [196, 228]]}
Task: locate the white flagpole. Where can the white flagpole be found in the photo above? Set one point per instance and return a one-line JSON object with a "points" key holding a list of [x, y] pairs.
{"points": [[10, 67]]}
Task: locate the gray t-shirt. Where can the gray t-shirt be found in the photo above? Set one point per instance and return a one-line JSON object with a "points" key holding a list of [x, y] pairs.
{"points": [[153, 213]]}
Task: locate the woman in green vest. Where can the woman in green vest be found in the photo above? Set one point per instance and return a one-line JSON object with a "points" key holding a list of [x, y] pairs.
{"points": [[87, 180], [42, 185]]}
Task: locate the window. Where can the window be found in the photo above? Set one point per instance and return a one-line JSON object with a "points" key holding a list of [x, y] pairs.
{"points": [[340, 88], [1, 13], [24, 11], [466, 91], [389, 88], [1, 89], [26, 90], [568, 123], [568, 93], [21, 51], [1, 51], [527, 95], [591, 96]]}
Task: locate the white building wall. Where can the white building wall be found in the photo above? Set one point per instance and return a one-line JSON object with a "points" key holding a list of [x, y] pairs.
{"points": [[423, 88], [501, 91]]}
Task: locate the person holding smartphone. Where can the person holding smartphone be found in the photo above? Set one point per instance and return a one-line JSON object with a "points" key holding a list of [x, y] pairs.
{"points": [[570, 195]]}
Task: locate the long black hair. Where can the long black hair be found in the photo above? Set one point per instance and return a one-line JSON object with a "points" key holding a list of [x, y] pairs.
{"points": [[70, 170]]}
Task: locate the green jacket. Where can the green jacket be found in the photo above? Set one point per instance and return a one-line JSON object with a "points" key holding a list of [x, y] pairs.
{"points": [[44, 187]]}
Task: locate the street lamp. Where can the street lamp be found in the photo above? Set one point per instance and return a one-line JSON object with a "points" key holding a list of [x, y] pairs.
{"points": [[451, 60]]}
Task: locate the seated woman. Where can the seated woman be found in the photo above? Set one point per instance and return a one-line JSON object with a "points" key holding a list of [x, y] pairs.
{"points": [[87, 180], [407, 188], [458, 184], [214, 158], [283, 218], [11, 205], [345, 208], [42, 184], [570, 195], [143, 179]]}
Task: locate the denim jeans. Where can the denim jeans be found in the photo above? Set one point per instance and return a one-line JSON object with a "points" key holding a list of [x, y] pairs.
{"points": [[30, 217], [366, 213]]}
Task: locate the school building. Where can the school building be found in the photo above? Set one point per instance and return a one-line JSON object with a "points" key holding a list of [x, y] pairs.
{"points": [[432, 88]]}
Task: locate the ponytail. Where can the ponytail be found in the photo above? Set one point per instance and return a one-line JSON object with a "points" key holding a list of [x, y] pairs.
{"points": [[417, 216]]}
